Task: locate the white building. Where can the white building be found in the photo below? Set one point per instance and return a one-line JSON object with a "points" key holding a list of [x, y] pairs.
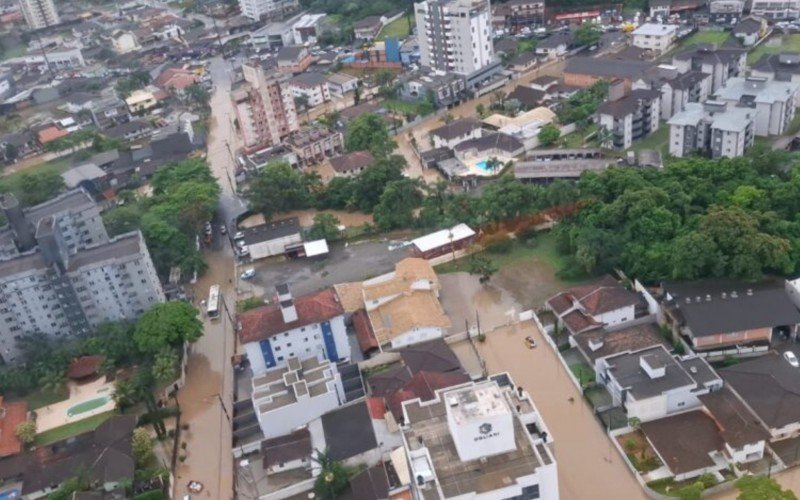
{"points": [[305, 30], [291, 397], [307, 326], [652, 384], [60, 274], [264, 107], [258, 9], [774, 102], [340, 84], [602, 303], [452, 440], [271, 238], [312, 86], [455, 36], [62, 58], [655, 37], [713, 128], [631, 117], [776, 10], [720, 63], [39, 13], [454, 133]]}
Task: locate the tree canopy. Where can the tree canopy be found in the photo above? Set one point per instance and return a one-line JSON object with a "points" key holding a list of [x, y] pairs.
{"points": [[368, 132], [167, 325], [762, 488]]}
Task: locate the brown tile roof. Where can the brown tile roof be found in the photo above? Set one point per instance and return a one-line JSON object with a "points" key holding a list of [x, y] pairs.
{"points": [[603, 296], [85, 366], [406, 273], [406, 312], [737, 424], [264, 322], [561, 303], [364, 334], [351, 295], [282, 449], [630, 339], [352, 161], [578, 322], [684, 441], [423, 385], [176, 78], [50, 134], [11, 415], [431, 356], [376, 407]]}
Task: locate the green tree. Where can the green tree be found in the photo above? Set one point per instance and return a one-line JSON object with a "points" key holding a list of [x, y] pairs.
{"points": [[277, 188], [370, 184], [133, 81], [197, 95], [368, 132], [396, 206], [35, 188], [142, 446], [326, 226], [122, 219], [26, 431], [482, 266], [165, 365], [587, 34], [762, 488], [52, 381], [480, 109], [165, 325], [548, 135], [333, 478], [125, 393]]}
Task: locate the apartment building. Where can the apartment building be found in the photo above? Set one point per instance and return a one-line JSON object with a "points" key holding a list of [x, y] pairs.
{"points": [[774, 102], [630, 116], [66, 276], [264, 107], [784, 66], [265, 9], [311, 86], [776, 10], [725, 11], [713, 128], [679, 90], [289, 397], [657, 38], [316, 144], [721, 63], [515, 15], [39, 13], [453, 440], [455, 36]]}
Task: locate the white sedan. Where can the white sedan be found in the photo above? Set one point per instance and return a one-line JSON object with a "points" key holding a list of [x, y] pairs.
{"points": [[791, 358], [248, 274]]}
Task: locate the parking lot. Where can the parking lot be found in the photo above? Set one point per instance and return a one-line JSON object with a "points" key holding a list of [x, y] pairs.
{"points": [[345, 263]]}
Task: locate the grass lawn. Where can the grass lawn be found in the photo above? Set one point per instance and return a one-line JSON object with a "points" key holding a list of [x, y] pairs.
{"points": [[794, 127], [17, 51], [406, 107], [398, 28], [58, 165], [788, 43], [73, 429], [582, 372], [577, 139], [717, 37], [42, 398], [658, 140]]}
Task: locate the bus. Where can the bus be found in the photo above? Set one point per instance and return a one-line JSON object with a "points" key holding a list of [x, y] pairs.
{"points": [[213, 301]]}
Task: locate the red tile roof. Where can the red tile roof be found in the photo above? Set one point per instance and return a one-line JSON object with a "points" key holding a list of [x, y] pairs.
{"points": [[267, 321], [366, 337], [423, 385], [376, 407], [11, 415], [50, 134], [578, 322], [176, 78], [85, 366], [352, 161]]}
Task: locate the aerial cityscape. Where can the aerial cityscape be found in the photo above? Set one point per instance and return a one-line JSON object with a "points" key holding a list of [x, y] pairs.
{"points": [[414, 250]]}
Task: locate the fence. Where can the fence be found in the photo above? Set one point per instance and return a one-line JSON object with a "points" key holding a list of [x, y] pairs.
{"points": [[739, 351], [552, 344], [172, 388]]}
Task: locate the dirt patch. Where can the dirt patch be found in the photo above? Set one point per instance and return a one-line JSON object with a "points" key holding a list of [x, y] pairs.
{"points": [[348, 219], [639, 451]]}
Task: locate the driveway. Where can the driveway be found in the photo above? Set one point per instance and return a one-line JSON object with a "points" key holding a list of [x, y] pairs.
{"points": [[588, 465], [354, 262]]}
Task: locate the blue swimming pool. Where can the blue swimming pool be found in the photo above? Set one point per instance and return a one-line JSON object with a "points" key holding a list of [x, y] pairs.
{"points": [[10, 495], [483, 165]]}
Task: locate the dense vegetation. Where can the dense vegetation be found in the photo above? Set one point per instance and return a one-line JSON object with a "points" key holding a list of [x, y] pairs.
{"points": [[185, 196]]}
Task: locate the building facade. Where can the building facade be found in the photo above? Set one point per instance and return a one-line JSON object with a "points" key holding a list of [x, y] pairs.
{"points": [[712, 128], [774, 102], [455, 36], [655, 37], [39, 13], [630, 118], [264, 9], [775, 11], [264, 108]]}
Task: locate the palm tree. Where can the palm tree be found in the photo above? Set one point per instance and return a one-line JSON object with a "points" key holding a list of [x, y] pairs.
{"points": [[52, 381]]}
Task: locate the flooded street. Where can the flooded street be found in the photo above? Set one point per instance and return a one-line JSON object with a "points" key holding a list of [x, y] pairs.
{"points": [[588, 466]]}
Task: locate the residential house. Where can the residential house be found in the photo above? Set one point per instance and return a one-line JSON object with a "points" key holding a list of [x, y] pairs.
{"points": [[750, 30], [651, 384], [292, 327], [719, 314], [524, 62], [315, 144], [456, 132], [290, 397], [445, 241], [601, 343], [556, 45], [489, 145], [744, 436], [629, 116], [769, 387], [351, 164], [721, 63], [141, 100], [367, 28], [784, 66], [775, 11], [713, 128], [453, 439], [289, 452], [340, 84], [311, 86], [525, 126], [774, 102], [350, 434], [601, 303], [176, 79], [657, 38], [130, 131], [725, 11], [515, 15], [294, 60], [307, 28], [271, 238], [109, 112], [444, 89]]}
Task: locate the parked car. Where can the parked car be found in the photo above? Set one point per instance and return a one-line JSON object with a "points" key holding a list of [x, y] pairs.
{"points": [[248, 274], [530, 342], [238, 236], [791, 358]]}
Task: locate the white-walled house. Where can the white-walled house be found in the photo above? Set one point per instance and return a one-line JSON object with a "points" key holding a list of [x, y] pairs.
{"points": [[456, 132], [651, 383], [602, 303], [300, 327], [655, 37]]}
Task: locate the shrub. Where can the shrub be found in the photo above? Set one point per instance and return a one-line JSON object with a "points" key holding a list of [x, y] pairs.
{"points": [[708, 480], [630, 444], [500, 245]]}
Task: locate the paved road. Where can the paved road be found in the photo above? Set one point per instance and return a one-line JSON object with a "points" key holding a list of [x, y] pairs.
{"points": [[588, 465], [209, 382]]}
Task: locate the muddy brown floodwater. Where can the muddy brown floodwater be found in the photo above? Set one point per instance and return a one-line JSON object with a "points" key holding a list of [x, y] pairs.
{"points": [[588, 465]]}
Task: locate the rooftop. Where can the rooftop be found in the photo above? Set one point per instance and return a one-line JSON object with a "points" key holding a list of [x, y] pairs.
{"points": [[271, 230], [602, 296], [282, 449], [11, 415], [457, 128], [348, 431], [652, 29], [406, 312], [607, 67], [598, 344], [759, 90], [409, 274], [685, 441], [737, 424], [712, 307], [266, 321], [120, 247], [443, 237], [496, 141], [352, 161], [285, 386]]}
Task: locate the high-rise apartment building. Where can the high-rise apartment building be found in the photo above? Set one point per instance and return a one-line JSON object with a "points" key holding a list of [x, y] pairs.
{"points": [[60, 274], [265, 9], [455, 36], [39, 13], [264, 107]]}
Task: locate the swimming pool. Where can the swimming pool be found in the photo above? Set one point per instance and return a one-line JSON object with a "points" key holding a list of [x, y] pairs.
{"points": [[88, 405], [483, 165], [9, 495]]}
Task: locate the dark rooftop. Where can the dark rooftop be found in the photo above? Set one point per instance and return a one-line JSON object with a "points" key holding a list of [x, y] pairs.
{"points": [[685, 440], [282, 449], [457, 128], [271, 230], [598, 344], [348, 431], [629, 374], [607, 67], [738, 425], [507, 143]]}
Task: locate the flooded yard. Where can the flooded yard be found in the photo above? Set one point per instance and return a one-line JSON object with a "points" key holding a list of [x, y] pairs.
{"points": [[347, 219]]}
